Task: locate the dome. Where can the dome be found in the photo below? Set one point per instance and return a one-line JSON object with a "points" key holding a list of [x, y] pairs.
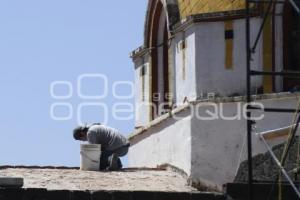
{"points": [[192, 7], [177, 10]]}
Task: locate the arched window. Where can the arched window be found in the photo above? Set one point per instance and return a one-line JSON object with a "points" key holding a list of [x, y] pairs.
{"points": [[157, 39]]}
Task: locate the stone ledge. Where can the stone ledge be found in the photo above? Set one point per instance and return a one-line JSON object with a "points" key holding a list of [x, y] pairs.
{"points": [[43, 194]]}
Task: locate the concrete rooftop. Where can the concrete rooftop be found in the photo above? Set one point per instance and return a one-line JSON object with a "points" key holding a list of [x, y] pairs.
{"points": [[126, 180]]}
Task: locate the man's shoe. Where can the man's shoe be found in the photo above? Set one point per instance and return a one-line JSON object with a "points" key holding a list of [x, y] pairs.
{"points": [[113, 163]]}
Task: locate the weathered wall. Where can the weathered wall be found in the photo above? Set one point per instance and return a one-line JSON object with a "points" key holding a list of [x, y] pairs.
{"points": [[215, 146], [200, 67], [209, 151], [185, 66], [212, 75], [142, 88], [165, 143], [218, 146]]}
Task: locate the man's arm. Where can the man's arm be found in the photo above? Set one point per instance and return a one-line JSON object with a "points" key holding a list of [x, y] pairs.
{"points": [[92, 137]]}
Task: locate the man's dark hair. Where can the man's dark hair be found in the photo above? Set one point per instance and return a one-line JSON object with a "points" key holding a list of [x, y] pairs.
{"points": [[77, 132]]}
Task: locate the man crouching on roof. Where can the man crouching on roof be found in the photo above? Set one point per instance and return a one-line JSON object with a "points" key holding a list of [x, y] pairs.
{"points": [[113, 144]]}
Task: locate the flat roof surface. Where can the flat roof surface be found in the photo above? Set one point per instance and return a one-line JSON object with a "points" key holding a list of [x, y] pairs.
{"points": [[126, 180]]}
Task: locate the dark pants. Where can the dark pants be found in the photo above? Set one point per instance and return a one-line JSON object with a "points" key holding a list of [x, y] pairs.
{"points": [[106, 156], [105, 160]]}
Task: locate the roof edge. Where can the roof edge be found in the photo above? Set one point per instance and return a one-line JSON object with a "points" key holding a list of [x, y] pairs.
{"points": [[212, 17], [187, 105]]}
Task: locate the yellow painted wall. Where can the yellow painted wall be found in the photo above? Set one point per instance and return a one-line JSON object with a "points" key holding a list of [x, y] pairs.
{"points": [[229, 46], [267, 55]]}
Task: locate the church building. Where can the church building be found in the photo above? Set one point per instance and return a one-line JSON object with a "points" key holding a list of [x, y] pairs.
{"points": [[190, 85]]}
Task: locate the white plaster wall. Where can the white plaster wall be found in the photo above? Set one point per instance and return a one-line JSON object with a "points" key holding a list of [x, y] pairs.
{"points": [[142, 107], [211, 75], [185, 87], [172, 71], [218, 146], [166, 143]]}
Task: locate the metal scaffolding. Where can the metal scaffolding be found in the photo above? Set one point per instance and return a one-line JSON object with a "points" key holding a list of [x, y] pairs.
{"points": [[267, 6]]}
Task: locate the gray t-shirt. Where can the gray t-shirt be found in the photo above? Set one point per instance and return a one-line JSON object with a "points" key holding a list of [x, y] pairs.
{"points": [[110, 138]]}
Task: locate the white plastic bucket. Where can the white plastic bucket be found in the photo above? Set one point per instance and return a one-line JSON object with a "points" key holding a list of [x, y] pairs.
{"points": [[90, 157]]}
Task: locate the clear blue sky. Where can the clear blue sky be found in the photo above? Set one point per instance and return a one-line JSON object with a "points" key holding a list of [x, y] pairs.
{"points": [[58, 40]]}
